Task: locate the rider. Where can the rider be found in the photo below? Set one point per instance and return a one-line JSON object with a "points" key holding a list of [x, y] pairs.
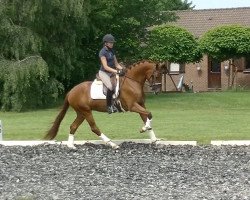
{"points": [[109, 68]]}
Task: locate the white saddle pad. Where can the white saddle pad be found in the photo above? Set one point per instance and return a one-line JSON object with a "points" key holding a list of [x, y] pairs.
{"points": [[96, 90]]}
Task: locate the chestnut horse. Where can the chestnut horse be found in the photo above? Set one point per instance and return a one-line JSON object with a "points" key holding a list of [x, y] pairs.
{"points": [[131, 97]]}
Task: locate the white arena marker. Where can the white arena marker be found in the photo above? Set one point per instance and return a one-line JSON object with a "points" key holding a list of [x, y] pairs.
{"points": [[230, 142], [1, 131]]}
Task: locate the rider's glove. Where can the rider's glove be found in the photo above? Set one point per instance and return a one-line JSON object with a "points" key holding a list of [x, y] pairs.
{"points": [[120, 72]]}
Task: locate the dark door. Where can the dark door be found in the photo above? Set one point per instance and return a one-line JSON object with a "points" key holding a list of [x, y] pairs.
{"points": [[214, 73]]}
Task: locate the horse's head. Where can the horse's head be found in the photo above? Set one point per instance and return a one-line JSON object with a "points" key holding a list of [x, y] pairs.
{"points": [[146, 71], [154, 77]]}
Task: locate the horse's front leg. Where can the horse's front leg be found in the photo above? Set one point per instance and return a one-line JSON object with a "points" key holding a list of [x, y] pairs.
{"points": [[146, 117], [147, 127]]}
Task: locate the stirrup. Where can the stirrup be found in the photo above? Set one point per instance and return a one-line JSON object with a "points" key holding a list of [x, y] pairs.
{"points": [[114, 109], [111, 109]]}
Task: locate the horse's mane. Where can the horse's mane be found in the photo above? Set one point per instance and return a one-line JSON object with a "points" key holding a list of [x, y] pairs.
{"points": [[137, 63]]}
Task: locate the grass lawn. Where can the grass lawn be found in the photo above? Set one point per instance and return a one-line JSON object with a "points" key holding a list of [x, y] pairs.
{"points": [[176, 116]]}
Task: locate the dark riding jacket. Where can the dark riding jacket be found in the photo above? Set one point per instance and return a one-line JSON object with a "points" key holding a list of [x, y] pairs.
{"points": [[109, 55]]}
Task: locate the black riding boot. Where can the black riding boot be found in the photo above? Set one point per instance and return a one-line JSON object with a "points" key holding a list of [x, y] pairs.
{"points": [[109, 101], [110, 107]]}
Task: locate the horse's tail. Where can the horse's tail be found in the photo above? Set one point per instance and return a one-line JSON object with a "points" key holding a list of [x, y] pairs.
{"points": [[51, 134]]}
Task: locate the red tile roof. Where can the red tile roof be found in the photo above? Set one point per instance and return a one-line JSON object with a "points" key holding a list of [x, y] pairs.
{"points": [[200, 21]]}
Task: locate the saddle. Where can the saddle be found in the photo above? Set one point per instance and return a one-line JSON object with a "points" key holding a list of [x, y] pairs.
{"points": [[98, 90]]}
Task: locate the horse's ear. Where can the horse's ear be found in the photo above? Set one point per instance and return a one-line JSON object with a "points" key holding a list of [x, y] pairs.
{"points": [[160, 66]]}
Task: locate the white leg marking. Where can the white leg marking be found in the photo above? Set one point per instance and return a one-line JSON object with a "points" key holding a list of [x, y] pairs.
{"points": [[71, 141], [152, 135], [108, 141], [104, 138], [147, 126], [148, 123]]}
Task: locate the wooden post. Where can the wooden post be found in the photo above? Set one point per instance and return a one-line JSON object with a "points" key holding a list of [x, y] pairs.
{"points": [[166, 71], [165, 80], [172, 80]]}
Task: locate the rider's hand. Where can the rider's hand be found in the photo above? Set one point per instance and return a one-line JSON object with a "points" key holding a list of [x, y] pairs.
{"points": [[120, 72]]}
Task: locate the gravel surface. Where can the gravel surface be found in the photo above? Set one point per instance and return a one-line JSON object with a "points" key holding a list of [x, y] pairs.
{"points": [[135, 171]]}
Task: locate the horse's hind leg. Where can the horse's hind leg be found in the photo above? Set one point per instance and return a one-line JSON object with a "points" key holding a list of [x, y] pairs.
{"points": [[73, 127], [96, 130]]}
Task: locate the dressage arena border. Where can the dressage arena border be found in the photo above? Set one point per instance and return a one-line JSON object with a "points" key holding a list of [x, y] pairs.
{"points": [[230, 142], [96, 142], [144, 141]]}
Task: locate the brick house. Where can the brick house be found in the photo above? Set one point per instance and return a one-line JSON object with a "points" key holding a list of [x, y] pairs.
{"points": [[210, 74]]}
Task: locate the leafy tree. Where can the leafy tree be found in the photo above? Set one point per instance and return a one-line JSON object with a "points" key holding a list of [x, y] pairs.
{"points": [[131, 18], [172, 43], [165, 5], [24, 77], [24, 84], [63, 27], [65, 36], [226, 42]]}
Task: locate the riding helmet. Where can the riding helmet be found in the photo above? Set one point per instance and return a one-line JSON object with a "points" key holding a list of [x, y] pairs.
{"points": [[108, 38]]}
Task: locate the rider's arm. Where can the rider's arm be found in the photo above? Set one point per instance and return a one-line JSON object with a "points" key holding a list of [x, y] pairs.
{"points": [[105, 65], [117, 65]]}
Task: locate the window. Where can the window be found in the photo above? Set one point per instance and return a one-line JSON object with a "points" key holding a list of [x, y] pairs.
{"points": [[176, 68]]}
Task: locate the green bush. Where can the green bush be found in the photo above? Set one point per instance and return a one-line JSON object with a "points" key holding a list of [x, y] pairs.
{"points": [[225, 42], [172, 43]]}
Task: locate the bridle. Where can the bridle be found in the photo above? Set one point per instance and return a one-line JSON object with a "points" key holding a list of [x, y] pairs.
{"points": [[153, 84], [151, 81]]}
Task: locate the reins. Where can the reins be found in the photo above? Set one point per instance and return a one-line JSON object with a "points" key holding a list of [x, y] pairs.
{"points": [[150, 85]]}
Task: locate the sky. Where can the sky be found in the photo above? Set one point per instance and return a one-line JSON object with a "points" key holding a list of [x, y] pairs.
{"points": [[208, 4]]}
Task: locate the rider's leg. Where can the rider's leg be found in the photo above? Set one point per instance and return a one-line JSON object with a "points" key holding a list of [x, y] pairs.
{"points": [[108, 82], [109, 101], [113, 83], [110, 107]]}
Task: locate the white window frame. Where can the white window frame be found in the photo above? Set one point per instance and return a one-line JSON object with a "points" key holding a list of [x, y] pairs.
{"points": [[174, 68]]}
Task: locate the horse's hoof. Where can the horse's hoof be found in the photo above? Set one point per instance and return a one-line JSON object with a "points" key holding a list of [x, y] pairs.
{"points": [[155, 141], [113, 145], [71, 146], [116, 147], [145, 128], [142, 131]]}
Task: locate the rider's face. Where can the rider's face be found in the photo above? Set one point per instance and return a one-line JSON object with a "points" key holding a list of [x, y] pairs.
{"points": [[110, 44]]}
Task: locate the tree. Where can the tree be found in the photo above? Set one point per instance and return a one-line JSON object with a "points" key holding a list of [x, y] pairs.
{"points": [[166, 5], [130, 20], [226, 42], [25, 84], [66, 35], [172, 43], [24, 77]]}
